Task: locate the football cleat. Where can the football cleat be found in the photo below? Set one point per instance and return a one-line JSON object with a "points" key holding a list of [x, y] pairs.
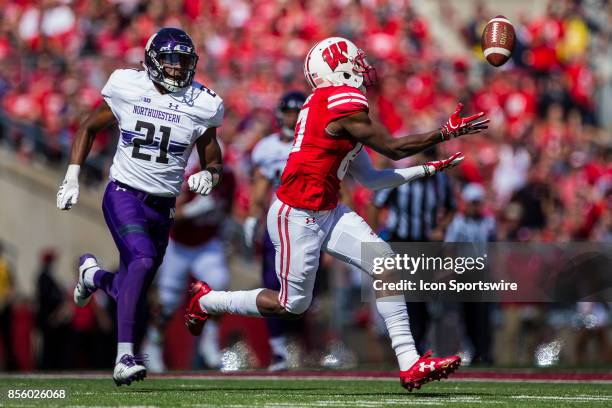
{"points": [[428, 368], [195, 317], [127, 370], [82, 293]]}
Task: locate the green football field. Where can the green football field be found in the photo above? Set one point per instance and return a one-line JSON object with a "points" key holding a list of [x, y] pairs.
{"points": [[298, 393]]}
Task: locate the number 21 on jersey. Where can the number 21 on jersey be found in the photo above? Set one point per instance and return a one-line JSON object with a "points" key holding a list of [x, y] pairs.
{"points": [[149, 140]]}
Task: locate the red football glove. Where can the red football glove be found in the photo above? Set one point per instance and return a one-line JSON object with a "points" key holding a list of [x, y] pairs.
{"points": [[434, 167], [457, 126]]}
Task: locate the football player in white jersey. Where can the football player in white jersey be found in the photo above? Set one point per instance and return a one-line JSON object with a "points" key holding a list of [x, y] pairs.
{"points": [[161, 113], [268, 160]]}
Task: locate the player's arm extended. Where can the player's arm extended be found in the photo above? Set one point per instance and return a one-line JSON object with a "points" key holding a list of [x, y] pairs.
{"points": [[375, 135], [211, 163], [99, 119], [361, 168]]}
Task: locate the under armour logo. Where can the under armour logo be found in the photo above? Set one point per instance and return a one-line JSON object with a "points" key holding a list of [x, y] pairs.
{"points": [[118, 188], [172, 213], [431, 366], [310, 220], [145, 99], [173, 105]]}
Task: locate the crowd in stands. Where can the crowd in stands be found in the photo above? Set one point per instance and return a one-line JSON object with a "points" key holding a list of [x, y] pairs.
{"points": [[547, 142]]}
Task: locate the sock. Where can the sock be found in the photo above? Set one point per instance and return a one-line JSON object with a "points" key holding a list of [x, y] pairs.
{"points": [[124, 348], [88, 277], [279, 346], [242, 302], [394, 313], [276, 327]]}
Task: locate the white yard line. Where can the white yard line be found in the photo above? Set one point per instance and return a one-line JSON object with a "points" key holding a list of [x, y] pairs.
{"points": [[578, 398]]}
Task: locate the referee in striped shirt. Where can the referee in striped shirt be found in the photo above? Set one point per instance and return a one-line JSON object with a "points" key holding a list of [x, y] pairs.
{"points": [[418, 211], [474, 225]]}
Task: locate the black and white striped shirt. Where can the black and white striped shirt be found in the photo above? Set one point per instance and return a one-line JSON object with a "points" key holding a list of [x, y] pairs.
{"points": [[468, 229], [414, 208]]}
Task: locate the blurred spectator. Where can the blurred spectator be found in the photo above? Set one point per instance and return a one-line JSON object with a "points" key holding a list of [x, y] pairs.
{"points": [[53, 316], [7, 288]]}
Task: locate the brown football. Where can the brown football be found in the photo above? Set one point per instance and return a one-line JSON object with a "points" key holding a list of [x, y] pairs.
{"points": [[498, 41]]}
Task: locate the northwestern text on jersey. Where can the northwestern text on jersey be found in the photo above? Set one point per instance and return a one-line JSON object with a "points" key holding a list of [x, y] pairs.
{"points": [[154, 113]]}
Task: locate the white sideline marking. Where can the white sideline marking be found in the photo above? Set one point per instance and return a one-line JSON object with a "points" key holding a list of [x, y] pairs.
{"points": [[385, 402], [582, 398]]}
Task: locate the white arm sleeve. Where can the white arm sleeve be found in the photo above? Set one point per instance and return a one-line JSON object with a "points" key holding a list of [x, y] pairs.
{"points": [[361, 168]]}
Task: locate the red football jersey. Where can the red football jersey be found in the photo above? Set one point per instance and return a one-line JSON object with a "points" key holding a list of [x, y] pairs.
{"points": [[318, 161]]}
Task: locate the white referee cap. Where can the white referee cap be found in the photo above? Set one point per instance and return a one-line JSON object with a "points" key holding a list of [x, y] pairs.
{"points": [[473, 192]]}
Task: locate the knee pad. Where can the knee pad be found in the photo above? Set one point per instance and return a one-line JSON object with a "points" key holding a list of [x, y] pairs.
{"points": [[374, 255]]}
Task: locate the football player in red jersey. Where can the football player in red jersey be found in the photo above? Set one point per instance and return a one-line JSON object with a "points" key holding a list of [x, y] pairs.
{"points": [[332, 127]]}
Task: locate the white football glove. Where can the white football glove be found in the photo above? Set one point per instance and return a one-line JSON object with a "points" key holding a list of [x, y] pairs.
{"points": [[68, 193], [249, 227], [201, 183]]}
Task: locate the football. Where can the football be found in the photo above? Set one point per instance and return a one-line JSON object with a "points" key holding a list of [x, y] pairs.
{"points": [[498, 41]]}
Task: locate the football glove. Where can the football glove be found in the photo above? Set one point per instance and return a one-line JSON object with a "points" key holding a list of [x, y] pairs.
{"points": [[68, 193], [436, 166], [201, 182], [456, 125]]}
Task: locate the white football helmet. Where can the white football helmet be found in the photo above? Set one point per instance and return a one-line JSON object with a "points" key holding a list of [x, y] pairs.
{"points": [[337, 61]]}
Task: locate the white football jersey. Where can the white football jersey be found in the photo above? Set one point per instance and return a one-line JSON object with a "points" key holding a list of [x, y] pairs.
{"points": [[270, 156], [157, 132]]}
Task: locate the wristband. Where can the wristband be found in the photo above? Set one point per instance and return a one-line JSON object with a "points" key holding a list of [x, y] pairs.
{"points": [[214, 172], [73, 172]]}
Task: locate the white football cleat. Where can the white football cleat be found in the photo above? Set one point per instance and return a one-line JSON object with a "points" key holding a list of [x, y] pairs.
{"points": [[82, 293], [127, 370]]}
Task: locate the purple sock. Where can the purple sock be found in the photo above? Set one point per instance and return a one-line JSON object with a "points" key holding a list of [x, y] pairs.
{"points": [[104, 280], [132, 297]]}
